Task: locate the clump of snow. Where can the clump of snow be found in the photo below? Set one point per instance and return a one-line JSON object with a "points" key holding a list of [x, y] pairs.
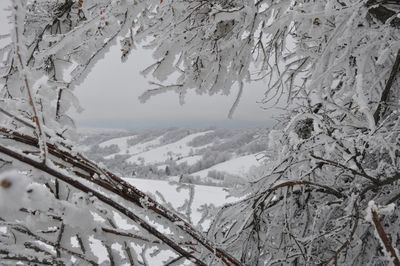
{"points": [[13, 188], [77, 214], [79, 218], [384, 210], [17, 191], [381, 210]]}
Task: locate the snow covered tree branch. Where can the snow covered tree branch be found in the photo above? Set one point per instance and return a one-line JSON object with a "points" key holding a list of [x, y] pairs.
{"points": [[84, 176], [63, 197], [337, 149], [393, 254]]}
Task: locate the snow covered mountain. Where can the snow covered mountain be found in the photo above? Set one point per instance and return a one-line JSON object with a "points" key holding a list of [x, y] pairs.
{"points": [[203, 156]]}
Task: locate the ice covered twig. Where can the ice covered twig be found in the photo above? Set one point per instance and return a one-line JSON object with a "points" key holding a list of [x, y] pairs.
{"points": [[383, 237], [19, 48]]}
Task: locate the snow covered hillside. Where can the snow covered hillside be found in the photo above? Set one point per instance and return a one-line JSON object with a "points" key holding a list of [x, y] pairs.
{"points": [[203, 195], [203, 206], [209, 156]]}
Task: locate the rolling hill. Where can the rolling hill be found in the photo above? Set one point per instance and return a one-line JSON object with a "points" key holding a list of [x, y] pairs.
{"points": [[204, 156]]}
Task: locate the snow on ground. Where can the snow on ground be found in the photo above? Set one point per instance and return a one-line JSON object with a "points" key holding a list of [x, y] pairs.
{"points": [[120, 142], [239, 166], [145, 146], [202, 195], [173, 150], [190, 160], [161, 167], [135, 149], [83, 148]]}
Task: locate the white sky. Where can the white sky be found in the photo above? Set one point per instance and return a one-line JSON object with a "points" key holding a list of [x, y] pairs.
{"points": [[110, 93]]}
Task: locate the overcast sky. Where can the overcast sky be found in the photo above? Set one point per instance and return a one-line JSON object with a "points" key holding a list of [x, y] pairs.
{"points": [[109, 97]]}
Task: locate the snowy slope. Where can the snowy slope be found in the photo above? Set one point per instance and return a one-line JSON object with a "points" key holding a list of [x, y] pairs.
{"points": [[191, 154], [203, 194], [239, 166], [190, 160], [120, 142], [173, 151], [135, 149]]}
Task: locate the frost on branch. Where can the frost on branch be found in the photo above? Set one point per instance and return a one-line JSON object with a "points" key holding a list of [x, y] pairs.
{"points": [[206, 45], [337, 147], [75, 209], [59, 42], [67, 207], [336, 150]]}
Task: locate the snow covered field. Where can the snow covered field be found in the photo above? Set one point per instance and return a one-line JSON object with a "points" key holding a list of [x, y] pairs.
{"points": [[175, 150], [125, 149], [217, 156], [202, 195], [239, 166]]}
